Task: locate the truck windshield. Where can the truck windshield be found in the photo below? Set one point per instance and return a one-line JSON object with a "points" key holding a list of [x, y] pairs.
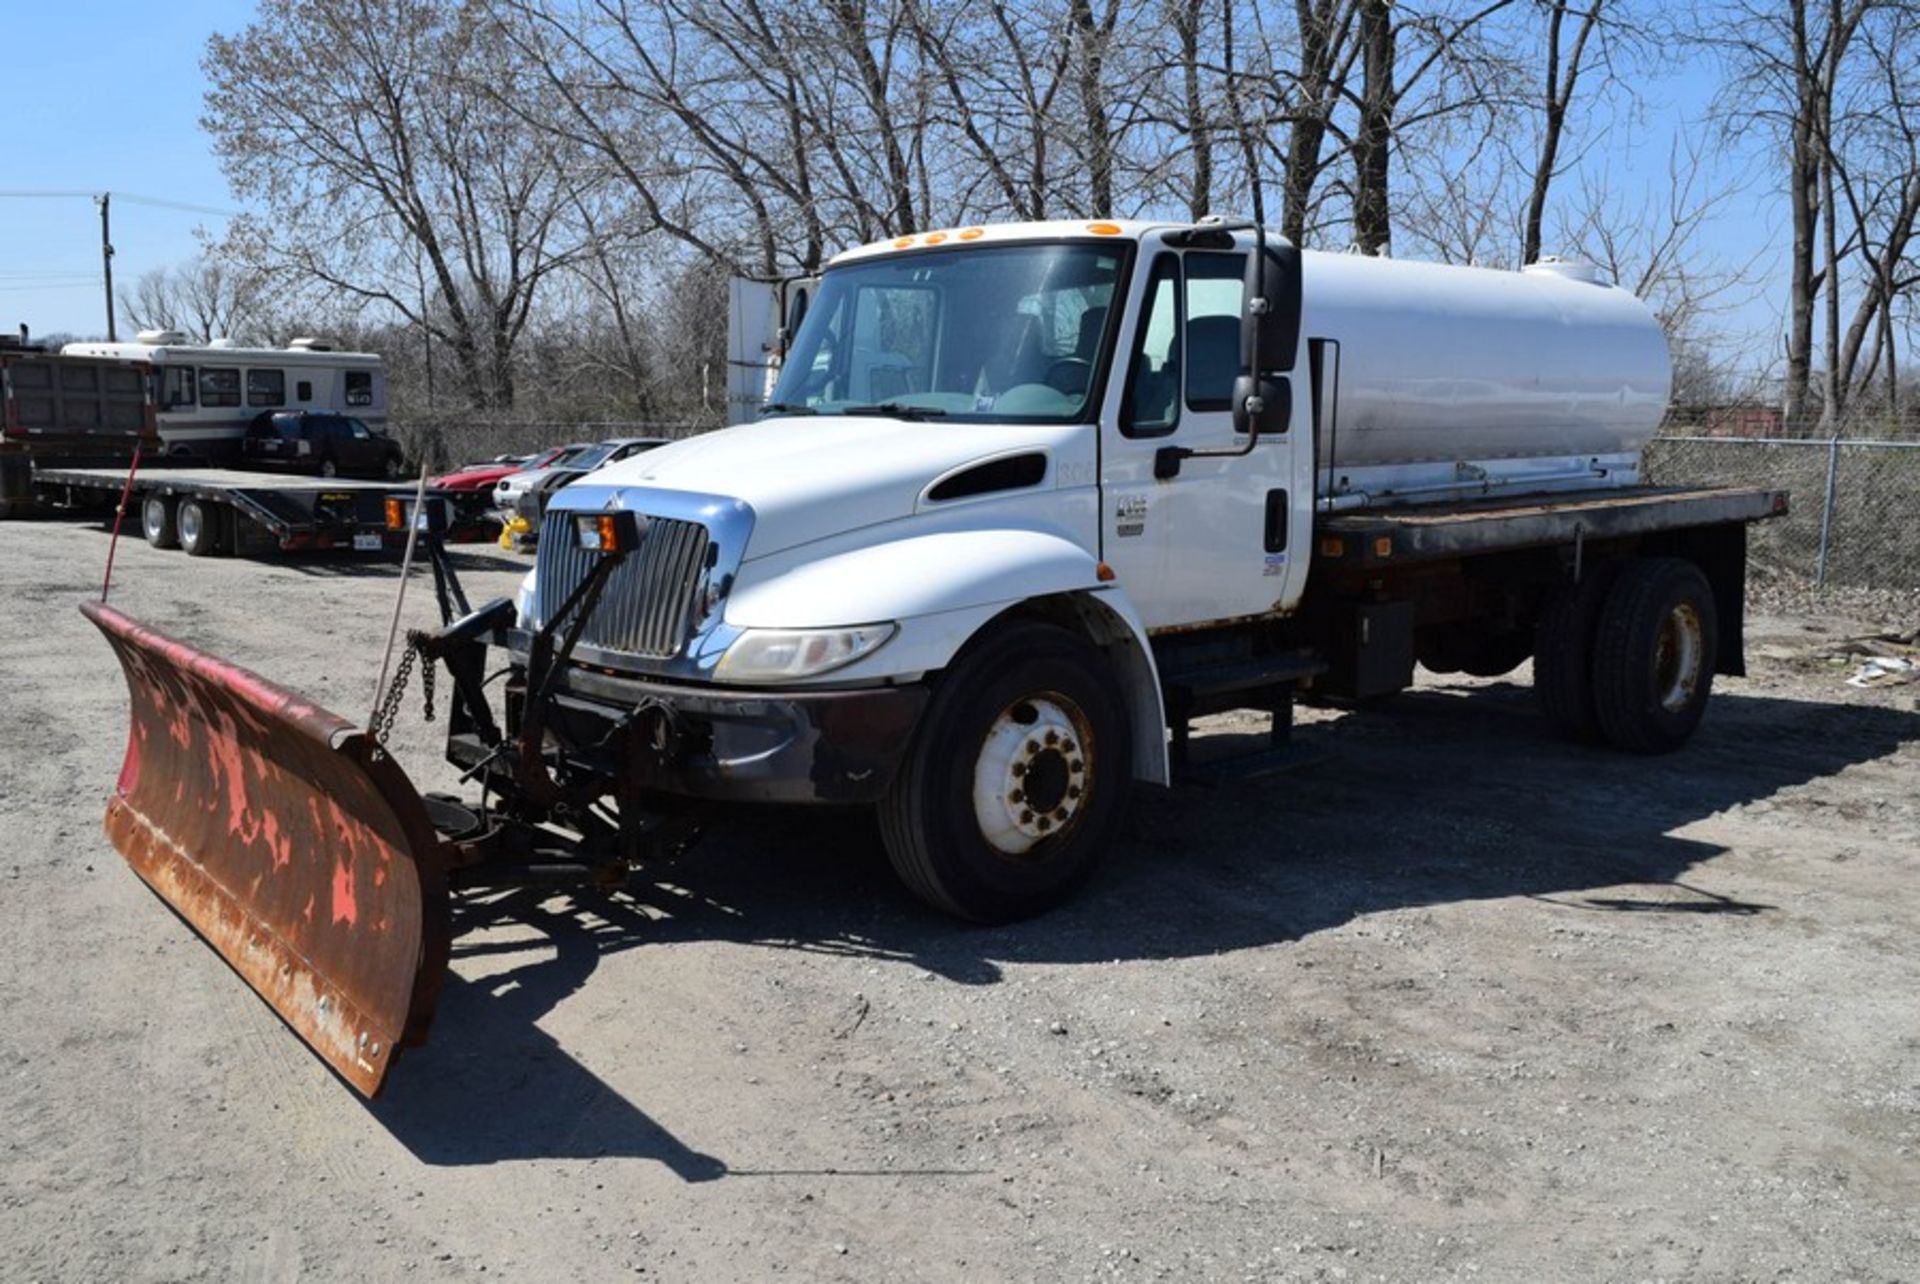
{"points": [[989, 333]]}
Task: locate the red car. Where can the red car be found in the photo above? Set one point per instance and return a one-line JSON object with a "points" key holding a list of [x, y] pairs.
{"points": [[483, 476]]}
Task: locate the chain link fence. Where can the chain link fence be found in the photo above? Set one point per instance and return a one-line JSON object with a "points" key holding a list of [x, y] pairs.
{"points": [[446, 443], [1856, 504]]}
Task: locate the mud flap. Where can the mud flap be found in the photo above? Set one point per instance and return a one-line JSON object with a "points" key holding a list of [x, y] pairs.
{"points": [[284, 836]]}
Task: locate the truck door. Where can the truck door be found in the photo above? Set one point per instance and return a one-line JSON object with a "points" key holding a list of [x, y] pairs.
{"points": [[1215, 537]]}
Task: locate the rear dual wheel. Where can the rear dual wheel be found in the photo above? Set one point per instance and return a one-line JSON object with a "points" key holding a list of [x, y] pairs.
{"points": [[157, 522], [202, 527], [1653, 655], [1016, 779], [1627, 655]]}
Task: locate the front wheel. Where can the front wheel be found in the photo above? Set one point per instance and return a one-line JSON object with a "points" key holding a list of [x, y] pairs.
{"points": [[1016, 779], [393, 467], [328, 468]]}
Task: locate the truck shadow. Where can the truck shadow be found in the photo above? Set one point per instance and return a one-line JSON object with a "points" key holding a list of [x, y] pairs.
{"points": [[1446, 795]]}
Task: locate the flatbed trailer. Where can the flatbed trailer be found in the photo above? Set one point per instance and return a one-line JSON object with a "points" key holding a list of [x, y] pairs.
{"points": [[213, 512]]}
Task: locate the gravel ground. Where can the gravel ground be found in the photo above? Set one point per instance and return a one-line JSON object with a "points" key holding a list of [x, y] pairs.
{"points": [[1462, 1002]]}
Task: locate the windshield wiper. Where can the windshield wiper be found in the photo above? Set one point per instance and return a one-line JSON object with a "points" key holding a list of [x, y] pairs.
{"points": [[786, 408], [897, 410]]}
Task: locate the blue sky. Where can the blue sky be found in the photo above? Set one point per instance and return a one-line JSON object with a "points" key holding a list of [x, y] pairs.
{"points": [[108, 96], [102, 96]]}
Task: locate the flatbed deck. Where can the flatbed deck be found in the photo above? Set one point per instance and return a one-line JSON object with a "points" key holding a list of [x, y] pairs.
{"points": [[263, 510], [1379, 537], [185, 480]]}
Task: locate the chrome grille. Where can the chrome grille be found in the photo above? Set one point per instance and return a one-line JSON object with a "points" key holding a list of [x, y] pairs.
{"points": [[648, 607]]}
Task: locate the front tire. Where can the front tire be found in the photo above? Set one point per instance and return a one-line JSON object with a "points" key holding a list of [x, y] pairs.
{"points": [[1016, 780], [328, 468]]}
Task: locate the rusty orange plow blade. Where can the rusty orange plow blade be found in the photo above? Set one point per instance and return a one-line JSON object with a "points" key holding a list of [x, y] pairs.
{"points": [[289, 840]]}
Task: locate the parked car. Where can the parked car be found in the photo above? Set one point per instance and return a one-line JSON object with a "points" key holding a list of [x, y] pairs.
{"points": [[327, 444], [483, 476], [507, 492]]}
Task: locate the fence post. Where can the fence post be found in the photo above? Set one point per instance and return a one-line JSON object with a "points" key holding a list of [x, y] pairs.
{"points": [[1826, 511]]}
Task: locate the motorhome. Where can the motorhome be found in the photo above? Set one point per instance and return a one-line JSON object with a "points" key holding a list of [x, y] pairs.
{"points": [[207, 394]]}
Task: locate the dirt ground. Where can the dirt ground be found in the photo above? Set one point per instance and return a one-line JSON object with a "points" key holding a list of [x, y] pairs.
{"points": [[1462, 1002]]}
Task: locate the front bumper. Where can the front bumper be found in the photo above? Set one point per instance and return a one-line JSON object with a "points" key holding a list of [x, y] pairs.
{"points": [[736, 744]]}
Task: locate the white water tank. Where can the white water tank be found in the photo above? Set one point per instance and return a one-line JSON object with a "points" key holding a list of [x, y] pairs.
{"points": [[1442, 368], [161, 338]]}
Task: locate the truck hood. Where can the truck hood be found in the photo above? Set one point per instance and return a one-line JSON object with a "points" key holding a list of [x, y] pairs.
{"points": [[807, 478]]}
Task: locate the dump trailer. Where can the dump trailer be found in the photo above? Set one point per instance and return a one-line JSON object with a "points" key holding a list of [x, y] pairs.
{"points": [[1025, 502], [58, 411]]}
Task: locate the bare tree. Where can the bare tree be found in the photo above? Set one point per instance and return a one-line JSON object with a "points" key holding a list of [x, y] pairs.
{"points": [[1783, 58], [357, 125], [207, 298], [1570, 30]]}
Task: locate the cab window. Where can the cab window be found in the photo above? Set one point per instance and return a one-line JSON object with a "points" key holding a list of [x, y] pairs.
{"points": [[1152, 404], [1215, 283]]}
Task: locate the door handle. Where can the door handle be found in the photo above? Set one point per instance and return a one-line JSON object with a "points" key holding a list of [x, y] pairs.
{"points": [[1279, 513]]}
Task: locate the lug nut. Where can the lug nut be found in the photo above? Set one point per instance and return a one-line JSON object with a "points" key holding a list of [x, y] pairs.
{"points": [[1073, 791], [1026, 818], [1053, 737], [1076, 766], [1044, 824], [1060, 813], [1016, 796]]}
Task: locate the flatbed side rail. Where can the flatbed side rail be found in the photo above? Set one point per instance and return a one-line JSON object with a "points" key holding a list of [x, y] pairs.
{"points": [[1380, 538]]}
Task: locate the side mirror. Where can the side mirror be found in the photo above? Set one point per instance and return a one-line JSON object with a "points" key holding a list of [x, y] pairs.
{"points": [[1262, 405], [1270, 325]]}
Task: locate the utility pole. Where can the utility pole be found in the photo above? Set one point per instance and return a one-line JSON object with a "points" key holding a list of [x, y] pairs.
{"points": [[106, 258]]}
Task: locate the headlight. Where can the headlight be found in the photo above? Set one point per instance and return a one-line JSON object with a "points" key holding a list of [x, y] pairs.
{"points": [[769, 655]]}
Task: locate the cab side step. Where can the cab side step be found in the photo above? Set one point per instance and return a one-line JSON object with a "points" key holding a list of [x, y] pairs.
{"points": [[1265, 683]]}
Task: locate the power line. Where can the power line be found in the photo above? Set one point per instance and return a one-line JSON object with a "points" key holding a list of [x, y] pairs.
{"points": [[159, 202], [177, 205]]}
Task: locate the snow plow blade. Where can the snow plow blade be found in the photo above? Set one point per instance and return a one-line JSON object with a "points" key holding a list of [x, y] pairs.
{"points": [[284, 836]]}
